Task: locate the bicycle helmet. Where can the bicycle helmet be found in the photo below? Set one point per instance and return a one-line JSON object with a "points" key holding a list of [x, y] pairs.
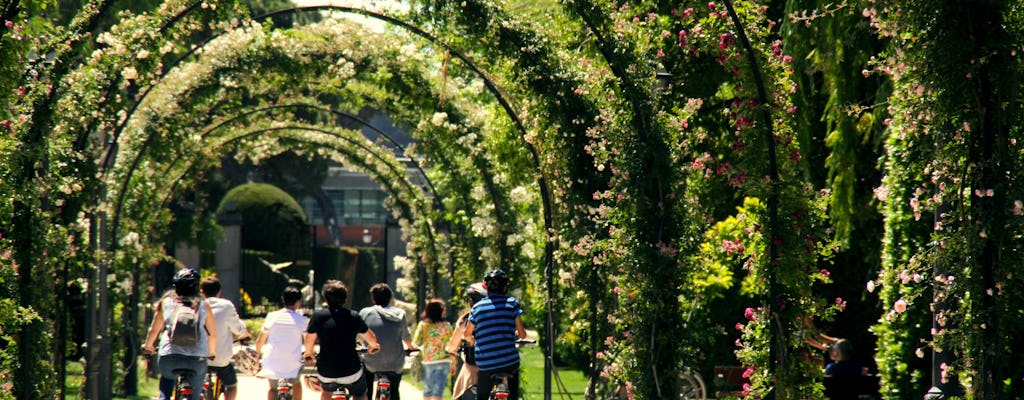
{"points": [[186, 282], [496, 280], [476, 291]]}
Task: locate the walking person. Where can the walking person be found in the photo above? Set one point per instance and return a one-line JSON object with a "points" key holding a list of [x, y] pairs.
{"points": [[229, 325], [431, 335], [464, 386], [181, 349], [337, 328], [495, 323], [391, 328], [280, 344]]}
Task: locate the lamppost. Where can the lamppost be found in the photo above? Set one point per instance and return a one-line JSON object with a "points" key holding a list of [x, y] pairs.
{"points": [[367, 236]]}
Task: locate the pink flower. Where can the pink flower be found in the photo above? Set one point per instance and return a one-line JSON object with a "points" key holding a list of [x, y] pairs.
{"points": [[739, 326], [726, 40], [749, 372], [711, 5], [749, 314], [9, 24], [900, 306], [825, 273]]}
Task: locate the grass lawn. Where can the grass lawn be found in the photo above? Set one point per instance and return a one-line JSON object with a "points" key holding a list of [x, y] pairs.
{"points": [[532, 384]]}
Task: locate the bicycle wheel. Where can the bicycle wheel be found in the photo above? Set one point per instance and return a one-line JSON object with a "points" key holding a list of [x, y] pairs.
{"points": [[691, 386]]}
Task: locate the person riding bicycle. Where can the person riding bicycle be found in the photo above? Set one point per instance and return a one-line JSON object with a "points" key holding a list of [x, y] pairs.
{"points": [[465, 381], [280, 344], [174, 357], [391, 327], [495, 323], [229, 325], [337, 328]]}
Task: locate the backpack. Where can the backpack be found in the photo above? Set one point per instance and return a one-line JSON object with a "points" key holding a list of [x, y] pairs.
{"points": [[183, 325]]}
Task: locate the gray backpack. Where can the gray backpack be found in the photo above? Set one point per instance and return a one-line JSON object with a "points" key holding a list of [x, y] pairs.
{"points": [[183, 324]]}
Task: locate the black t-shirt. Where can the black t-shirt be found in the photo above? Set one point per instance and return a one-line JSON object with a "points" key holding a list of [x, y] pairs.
{"points": [[337, 329]]}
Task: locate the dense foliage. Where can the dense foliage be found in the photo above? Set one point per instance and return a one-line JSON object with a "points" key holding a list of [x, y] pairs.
{"points": [[698, 183], [271, 219]]}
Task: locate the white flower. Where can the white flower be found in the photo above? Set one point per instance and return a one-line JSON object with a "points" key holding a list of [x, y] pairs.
{"points": [[142, 54], [439, 118], [130, 73]]}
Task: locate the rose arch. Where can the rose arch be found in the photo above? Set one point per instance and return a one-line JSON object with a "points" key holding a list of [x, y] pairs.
{"points": [[581, 166]]}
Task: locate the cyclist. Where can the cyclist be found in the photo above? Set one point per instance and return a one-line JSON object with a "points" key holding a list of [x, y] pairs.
{"points": [[337, 328], [391, 327], [465, 382], [229, 325], [280, 344], [495, 324], [174, 357]]}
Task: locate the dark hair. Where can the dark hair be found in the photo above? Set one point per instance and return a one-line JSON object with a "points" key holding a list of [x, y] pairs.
{"points": [[434, 311], [210, 286], [381, 294], [335, 293], [290, 295], [844, 348]]}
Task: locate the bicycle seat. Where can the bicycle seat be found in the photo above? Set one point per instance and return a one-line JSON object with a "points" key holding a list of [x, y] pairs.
{"points": [[501, 375]]}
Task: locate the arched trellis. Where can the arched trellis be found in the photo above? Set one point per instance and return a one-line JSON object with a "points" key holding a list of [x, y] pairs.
{"points": [[363, 148], [545, 194]]}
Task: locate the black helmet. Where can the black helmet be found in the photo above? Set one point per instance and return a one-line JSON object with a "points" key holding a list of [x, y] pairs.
{"points": [[476, 291], [186, 282], [496, 280]]}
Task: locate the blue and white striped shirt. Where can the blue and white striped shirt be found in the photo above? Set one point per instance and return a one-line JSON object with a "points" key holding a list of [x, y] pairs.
{"points": [[494, 319]]}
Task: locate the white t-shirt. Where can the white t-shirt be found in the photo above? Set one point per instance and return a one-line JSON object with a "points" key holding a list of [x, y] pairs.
{"points": [[282, 353], [228, 325]]}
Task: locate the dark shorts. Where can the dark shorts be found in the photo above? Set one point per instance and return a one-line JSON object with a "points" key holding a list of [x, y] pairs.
{"points": [[356, 388], [226, 374]]}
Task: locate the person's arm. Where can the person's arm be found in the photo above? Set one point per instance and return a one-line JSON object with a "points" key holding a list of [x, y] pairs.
{"points": [[308, 355], [211, 331], [372, 346], [520, 328], [154, 328], [260, 341], [456, 339], [468, 334]]}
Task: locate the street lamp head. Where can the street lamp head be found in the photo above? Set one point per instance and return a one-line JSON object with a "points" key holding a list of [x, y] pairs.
{"points": [[367, 236]]}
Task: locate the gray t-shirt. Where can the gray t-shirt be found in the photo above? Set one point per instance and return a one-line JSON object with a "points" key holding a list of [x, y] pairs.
{"points": [[391, 328]]}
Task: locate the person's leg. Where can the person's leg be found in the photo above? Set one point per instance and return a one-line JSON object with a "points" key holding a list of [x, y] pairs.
{"points": [[370, 379], [296, 389], [513, 384], [228, 381], [358, 388], [396, 382], [198, 365], [272, 389], [166, 388], [484, 382]]}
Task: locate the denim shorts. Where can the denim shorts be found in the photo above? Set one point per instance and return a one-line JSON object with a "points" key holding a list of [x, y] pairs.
{"points": [[435, 377]]}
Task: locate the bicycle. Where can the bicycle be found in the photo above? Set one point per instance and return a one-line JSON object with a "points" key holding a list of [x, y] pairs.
{"points": [[284, 389], [382, 380], [500, 391], [212, 387]]}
